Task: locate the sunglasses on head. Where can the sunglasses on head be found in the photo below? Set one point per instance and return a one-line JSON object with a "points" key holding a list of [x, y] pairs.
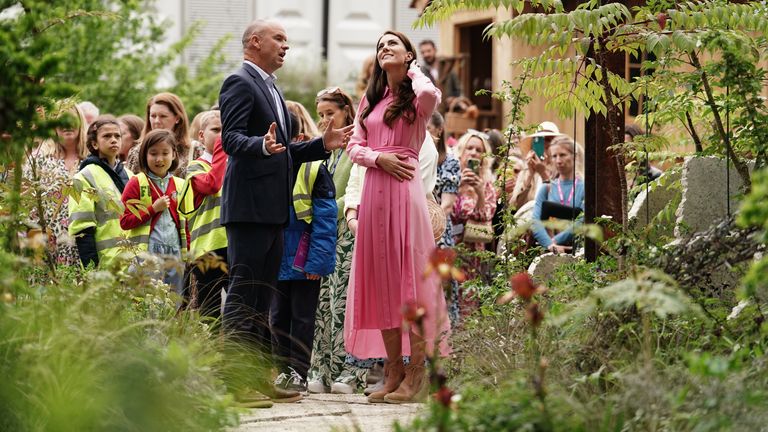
{"points": [[329, 91], [477, 133]]}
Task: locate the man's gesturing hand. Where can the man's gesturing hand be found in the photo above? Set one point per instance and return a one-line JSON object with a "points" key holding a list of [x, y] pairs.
{"points": [[395, 165], [270, 141], [336, 138]]}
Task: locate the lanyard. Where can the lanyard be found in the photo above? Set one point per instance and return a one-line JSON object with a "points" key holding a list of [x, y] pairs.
{"points": [[157, 189], [570, 198], [332, 168]]}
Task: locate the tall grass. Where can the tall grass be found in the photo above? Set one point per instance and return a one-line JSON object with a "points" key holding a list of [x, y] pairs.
{"points": [[103, 351]]}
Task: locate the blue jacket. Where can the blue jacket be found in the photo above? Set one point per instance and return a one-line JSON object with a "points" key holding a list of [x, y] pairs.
{"points": [[321, 258]]}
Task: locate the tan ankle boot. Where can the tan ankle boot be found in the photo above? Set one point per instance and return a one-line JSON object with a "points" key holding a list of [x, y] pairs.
{"points": [[414, 387], [394, 372]]}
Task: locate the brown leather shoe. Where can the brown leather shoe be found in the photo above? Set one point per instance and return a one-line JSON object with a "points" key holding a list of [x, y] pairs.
{"points": [[278, 395], [414, 387], [252, 399], [394, 372]]}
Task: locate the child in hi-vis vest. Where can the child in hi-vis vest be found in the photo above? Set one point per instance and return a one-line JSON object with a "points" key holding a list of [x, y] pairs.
{"points": [[309, 253], [94, 218], [200, 204], [156, 225]]}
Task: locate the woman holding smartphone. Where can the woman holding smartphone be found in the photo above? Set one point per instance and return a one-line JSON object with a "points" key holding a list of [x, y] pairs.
{"points": [[565, 189], [476, 202], [538, 166]]}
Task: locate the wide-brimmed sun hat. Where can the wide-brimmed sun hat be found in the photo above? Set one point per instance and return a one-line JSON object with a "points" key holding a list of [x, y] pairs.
{"points": [[545, 129]]}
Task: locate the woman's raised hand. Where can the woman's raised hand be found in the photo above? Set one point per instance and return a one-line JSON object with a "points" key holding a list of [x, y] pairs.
{"points": [[469, 178], [396, 165], [414, 66], [536, 164]]}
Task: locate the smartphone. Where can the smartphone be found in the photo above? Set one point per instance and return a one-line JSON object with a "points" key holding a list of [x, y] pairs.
{"points": [[538, 147], [474, 165]]}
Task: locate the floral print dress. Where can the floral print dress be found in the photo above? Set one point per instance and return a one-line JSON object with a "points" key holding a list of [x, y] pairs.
{"points": [[49, 179], [465, 209], [448, 178]]}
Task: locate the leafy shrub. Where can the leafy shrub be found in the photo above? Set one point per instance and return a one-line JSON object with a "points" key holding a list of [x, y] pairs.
{"points": [[100, 352]]}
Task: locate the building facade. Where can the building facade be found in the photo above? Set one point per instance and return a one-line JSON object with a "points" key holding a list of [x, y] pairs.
{"points": [[339, 34]]}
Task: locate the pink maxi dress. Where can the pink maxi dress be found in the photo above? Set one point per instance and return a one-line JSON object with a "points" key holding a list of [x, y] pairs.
{"points": [[394, 237]]}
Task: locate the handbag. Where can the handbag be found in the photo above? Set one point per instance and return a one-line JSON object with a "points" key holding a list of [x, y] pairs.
{"points": [[436, 218], [552, 209], [478, 232]]}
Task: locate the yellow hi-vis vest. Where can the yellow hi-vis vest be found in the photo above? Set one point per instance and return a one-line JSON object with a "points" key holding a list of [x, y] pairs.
{"points": [[302, 190], [100, 206], [205, 231], [140, 235]]}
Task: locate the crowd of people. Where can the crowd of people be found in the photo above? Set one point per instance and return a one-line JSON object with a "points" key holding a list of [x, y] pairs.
{"points": [[318, 233]]}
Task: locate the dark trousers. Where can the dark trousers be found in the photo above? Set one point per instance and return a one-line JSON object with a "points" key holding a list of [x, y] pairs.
{"points": [[254, 252], [292, 318], [211, 277]]}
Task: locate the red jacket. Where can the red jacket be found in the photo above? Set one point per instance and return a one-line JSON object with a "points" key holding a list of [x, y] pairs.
{"points": [[129, 221], [209, 183]]}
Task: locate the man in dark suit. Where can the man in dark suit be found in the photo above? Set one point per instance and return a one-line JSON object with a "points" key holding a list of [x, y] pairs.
{"points": [[258, 182]]}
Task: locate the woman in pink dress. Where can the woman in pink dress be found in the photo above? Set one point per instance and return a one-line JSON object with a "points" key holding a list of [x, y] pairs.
{"points": [[394, 235]]}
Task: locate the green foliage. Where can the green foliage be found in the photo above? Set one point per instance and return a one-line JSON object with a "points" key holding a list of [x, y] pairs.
{"points": [[106, 51], [200, 90], [649, 291], [115, 58], [101, 351], [625, 346], [510, 407], [697, 378], [26, 36], [300, 81], [754, 212]]}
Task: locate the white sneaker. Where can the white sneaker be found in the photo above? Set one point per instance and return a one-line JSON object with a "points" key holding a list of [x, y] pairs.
{"points": [[316, 386], [342, 388], [373, 388]]}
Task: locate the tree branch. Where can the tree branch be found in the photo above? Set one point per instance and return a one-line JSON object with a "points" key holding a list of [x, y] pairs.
{"points": [[692, 132], [740, 166]]}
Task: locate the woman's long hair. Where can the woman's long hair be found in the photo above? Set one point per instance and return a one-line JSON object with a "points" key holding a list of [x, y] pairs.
{"points": [[52, 147], [180, 129], [486, 172], [307, 126], [365, 76], [438, 121], [402, 106]]}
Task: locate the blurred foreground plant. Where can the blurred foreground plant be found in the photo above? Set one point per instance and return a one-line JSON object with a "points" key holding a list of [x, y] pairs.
{"points": [[102, 351]]}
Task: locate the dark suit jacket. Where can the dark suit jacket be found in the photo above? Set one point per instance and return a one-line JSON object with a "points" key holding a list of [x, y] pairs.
{"points": [[257, 188]]}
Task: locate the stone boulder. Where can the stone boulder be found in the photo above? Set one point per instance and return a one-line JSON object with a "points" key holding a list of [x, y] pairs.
{"points": [[706, 193], [544, 266], [650, 202]]}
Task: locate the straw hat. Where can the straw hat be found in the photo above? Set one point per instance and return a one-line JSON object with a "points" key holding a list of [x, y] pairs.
{"points": [[545, 129]]}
